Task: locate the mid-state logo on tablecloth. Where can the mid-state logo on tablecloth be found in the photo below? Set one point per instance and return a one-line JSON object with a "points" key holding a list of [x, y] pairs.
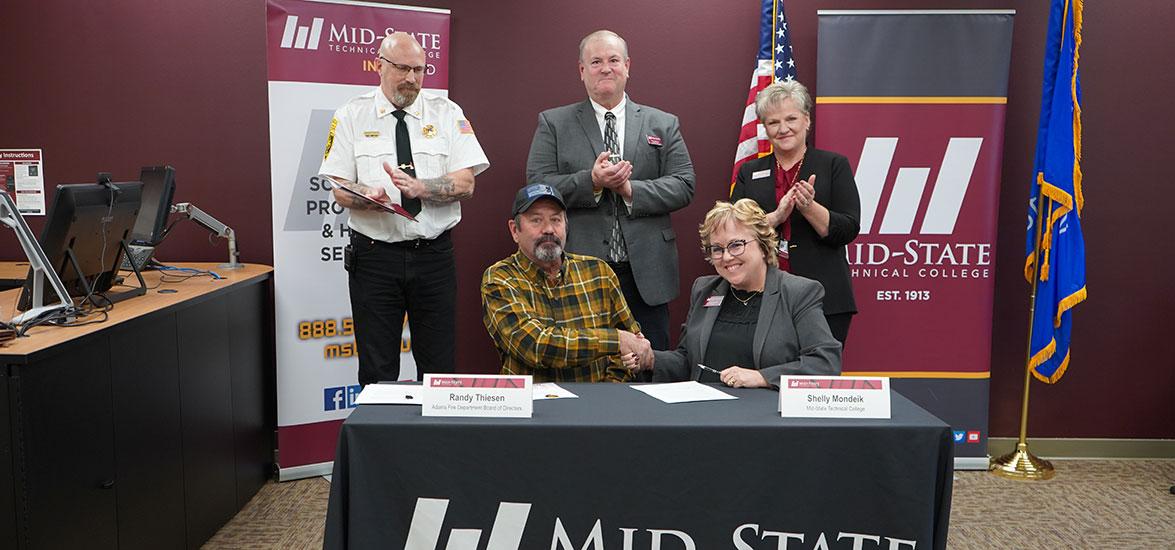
{"points": [[428, 518]]}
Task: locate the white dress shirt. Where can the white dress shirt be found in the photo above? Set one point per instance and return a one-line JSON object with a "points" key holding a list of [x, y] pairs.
{"points": [[363, 136]]}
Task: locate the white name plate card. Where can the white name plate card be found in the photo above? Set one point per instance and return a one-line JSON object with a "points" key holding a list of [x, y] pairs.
{"points": [[834, 397], [484, 395]]}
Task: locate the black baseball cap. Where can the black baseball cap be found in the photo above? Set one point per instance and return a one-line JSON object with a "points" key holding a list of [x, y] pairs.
{"points": [[527, 195]]}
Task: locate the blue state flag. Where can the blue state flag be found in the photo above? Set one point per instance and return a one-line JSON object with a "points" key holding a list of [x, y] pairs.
{"points": [[1061, 250]]}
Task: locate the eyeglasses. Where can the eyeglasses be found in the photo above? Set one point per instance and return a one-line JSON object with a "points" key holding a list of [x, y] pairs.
{"points": [[735, 248], [403, 69]]}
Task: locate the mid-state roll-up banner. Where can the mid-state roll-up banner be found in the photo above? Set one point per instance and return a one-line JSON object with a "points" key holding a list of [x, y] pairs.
{"points": [[322, 54], [916, 100]]}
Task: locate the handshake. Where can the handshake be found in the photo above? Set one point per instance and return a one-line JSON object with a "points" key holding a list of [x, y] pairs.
{"points": [[635, 351]]}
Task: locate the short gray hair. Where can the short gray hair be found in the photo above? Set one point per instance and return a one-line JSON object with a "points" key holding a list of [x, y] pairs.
{"points": [[777, 92], [602, 34]]}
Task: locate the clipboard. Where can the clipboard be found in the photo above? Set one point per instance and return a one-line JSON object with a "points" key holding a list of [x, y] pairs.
{"points": [[389, 207]]}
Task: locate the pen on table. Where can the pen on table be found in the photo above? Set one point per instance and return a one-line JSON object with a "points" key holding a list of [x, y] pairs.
{"points": [[705, 368]]}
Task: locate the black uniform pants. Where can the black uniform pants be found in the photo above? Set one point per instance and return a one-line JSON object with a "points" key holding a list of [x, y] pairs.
{"points": [[386, 281]]}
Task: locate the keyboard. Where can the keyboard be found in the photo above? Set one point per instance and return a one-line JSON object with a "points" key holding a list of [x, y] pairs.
{"points": [[139, 254]]}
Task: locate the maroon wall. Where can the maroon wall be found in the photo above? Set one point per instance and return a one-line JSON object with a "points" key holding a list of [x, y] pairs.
{"points": [[113, 86]]}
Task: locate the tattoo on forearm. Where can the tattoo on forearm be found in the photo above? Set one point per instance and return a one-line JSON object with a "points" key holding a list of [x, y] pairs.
{"points": [[444, 189]]}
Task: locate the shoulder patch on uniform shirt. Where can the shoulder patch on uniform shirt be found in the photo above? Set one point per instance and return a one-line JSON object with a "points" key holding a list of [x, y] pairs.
{"points": [[464, 126], [330, 137]]}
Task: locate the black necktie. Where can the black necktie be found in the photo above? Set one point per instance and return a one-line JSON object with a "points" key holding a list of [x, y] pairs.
{"points": [[404, 158]]}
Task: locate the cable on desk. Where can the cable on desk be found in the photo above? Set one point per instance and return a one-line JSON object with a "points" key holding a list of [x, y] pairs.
{"points": [[172, 274], [60, 318]]}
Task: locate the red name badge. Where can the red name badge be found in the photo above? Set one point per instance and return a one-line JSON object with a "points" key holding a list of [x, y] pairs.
{"points": [[654, 140]]}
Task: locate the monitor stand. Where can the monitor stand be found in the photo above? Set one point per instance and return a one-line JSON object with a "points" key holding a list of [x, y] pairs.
{"points": [[111, 297], [123, 295], [38, 266]]}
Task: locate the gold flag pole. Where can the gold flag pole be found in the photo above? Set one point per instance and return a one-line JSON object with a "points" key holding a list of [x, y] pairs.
{"points": [[1022, 464]]}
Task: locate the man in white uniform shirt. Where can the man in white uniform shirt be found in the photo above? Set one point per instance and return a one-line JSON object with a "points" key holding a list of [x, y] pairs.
{"points": [[416, 149]]}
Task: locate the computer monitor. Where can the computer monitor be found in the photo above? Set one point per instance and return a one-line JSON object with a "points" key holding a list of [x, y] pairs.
{"points": [[87, 224], [158, 188]]}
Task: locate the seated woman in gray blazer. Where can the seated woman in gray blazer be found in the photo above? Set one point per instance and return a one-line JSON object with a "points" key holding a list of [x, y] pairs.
{"points": [[752, 323]]}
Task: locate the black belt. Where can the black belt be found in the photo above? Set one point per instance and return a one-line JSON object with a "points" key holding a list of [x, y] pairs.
{"points": [[443, 238]]}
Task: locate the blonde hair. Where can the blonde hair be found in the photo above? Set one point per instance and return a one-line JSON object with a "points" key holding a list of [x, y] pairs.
{"points": [[747, 213], [778, 92]]}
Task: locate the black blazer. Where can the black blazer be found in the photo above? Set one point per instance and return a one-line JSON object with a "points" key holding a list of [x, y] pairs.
{"points": [[822, 259], [791, 334]]}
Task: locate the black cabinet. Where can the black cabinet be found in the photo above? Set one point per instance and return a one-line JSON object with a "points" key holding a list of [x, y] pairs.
{"points": [[147, 438], [151, 432], [63, 427]]}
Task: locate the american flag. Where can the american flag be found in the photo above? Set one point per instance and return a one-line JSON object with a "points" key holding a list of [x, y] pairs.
{"points": [[774, 63]]}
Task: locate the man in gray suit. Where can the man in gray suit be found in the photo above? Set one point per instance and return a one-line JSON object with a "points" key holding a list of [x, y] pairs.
{"points": [[622, 168]]}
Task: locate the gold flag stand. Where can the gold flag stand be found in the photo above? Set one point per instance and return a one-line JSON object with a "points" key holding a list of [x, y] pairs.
{"points": [[1020, 463]]}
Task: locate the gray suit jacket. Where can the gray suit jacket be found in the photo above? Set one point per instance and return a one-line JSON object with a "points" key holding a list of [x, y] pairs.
{"points": [[791, 335], [566, 144]]}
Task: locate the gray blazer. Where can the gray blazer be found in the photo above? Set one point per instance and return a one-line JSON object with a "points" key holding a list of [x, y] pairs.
{"points": [[566, 144], [791, 335]]}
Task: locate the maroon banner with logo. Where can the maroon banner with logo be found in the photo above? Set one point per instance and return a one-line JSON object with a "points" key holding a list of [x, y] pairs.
{"points": [[337, 43], [928, 176], [925, 135]]}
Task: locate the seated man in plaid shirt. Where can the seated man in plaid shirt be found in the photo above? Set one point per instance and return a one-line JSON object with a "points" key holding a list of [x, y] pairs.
{"points": [[554, 315]]}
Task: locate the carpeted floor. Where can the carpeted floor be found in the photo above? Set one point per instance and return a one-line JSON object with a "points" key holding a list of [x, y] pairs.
{"points": [[1094, 504]]}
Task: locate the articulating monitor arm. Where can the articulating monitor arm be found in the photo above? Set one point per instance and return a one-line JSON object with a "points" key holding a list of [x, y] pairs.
{"points": [[215, 226]]}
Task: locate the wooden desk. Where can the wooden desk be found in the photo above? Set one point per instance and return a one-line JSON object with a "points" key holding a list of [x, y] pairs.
{"points": [[149, 430]]}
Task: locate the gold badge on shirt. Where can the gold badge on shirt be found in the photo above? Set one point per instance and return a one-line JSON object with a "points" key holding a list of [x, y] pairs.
{"points": [[429, 131], [330, 137], [370, 134]]}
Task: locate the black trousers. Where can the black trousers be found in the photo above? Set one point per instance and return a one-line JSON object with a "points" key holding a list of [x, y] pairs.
{"points": [[654, 320], [838, 323], [388, 280]]}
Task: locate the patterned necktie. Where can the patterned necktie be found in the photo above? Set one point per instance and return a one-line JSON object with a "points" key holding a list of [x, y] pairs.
{"points": [[617, 251], [404, 158]]}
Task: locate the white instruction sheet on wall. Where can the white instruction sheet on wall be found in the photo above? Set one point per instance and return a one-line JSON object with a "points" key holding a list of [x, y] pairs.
{"points": [[22, 174]]}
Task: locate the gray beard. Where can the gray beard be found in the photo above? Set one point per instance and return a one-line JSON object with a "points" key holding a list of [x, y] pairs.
{"points": [[544, 253], [404, 98]]}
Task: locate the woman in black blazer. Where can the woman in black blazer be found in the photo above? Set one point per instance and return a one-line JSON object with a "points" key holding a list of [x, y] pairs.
{"points": [[810, 197], [750, 323]]}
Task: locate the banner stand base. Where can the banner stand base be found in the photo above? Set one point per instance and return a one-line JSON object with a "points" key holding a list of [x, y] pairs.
{"points": [[324, 469], [972, 462]]}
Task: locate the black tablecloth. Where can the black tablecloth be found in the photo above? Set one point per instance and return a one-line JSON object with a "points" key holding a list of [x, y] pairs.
{"points": [[722, 474]]}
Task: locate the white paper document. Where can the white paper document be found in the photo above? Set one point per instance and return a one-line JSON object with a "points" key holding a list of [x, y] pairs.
{"points": [[683, 392], [551, 390], [389, 394]]}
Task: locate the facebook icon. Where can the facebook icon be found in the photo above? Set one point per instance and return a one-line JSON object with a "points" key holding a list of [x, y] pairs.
{"points": [[340, 397]]}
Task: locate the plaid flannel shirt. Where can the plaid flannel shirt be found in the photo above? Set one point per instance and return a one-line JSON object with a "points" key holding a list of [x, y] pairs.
{"points": [[557, 331]]}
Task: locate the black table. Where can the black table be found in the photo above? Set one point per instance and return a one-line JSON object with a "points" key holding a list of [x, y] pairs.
{"points": [[722, 474]]}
